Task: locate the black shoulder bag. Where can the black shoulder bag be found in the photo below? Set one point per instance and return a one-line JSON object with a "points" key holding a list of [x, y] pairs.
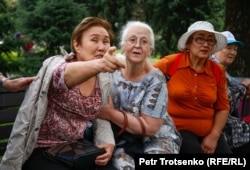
{"points": [[77, 155]]}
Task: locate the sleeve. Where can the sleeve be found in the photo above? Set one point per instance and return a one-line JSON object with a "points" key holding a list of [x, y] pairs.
{"points": [[162, 65], [103, 133], [154, 101], [236, 92], [165, 63], [57, 81], [222, 102]]}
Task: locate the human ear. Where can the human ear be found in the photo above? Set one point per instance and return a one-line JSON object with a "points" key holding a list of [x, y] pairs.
{"points": [[76, 46]]}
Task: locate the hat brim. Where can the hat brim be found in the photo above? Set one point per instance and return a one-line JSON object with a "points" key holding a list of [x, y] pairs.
{"points": [[235, 42], [220, 38]]}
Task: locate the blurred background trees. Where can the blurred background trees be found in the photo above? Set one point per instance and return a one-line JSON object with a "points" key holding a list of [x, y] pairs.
{"points": [[237, 17], [7, 45], [49, 23]]}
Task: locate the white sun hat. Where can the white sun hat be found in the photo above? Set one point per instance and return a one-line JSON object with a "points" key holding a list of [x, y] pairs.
{"points": [[202, 26], [231, 39]]}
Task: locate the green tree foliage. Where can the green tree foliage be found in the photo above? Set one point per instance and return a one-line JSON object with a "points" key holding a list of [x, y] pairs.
{"points": [[116, 12], [6, 18], [170, 19], [7, 45], [50, 22]]}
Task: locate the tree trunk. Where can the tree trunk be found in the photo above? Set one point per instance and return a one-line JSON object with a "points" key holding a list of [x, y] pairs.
{"points": [[237, 22]]}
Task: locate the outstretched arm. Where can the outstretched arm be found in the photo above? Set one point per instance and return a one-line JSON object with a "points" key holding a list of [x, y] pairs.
{"points": [[15, 84]]}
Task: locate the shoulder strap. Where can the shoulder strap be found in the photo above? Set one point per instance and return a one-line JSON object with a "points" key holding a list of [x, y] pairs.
{"points": [[174, 66], [216, 69]]}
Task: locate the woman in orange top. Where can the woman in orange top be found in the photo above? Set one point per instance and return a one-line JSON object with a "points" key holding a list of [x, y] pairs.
{"points": [[198, 100]]}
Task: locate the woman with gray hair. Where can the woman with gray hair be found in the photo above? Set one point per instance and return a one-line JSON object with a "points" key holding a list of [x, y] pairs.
{"points": [[137, 109], [237, 130]]}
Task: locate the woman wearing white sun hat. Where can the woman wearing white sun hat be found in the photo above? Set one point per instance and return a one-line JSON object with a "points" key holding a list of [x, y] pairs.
{"points": [[236, 131], [198, 101]]}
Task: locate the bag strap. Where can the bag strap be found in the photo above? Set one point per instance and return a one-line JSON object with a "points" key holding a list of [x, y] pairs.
{"points": [[56, 149], [245, 108], [174, 66], [216, 70]]}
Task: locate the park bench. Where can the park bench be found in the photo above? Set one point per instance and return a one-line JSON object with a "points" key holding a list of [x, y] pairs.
{"points": [[9, 105]]}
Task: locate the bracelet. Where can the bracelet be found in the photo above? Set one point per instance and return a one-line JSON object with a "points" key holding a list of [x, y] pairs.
{"points": [[2, 81], [142, 126], [125, 123], [243, 85]]}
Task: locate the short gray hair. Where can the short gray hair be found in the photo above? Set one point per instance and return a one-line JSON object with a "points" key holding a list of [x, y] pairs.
{"points": [[125, 29]]}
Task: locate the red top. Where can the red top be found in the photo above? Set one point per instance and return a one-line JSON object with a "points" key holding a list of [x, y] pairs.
{"points": [[68, 111], [28, 47]]}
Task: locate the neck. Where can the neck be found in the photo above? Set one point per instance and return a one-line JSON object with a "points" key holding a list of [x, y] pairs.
{"points": [[137, 71]]}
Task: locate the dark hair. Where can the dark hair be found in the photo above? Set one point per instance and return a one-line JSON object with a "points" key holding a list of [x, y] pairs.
{"points": [[85, 24], [17, 35]]}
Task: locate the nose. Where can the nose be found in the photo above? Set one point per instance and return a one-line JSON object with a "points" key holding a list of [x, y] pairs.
{"points": [[102, 46], [206, 42], [233, 51], [138, 43]]}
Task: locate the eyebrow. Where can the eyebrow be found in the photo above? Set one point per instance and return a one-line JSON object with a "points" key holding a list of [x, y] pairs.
{"points": [[203, 34], [98, 35]]}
